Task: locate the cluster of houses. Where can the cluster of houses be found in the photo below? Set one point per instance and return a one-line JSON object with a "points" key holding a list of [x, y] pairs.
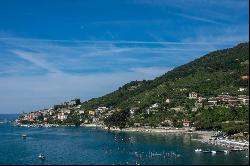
{"points": [[220, 100], [95, 116], [224, 100], [62, 111], [57, 112]]}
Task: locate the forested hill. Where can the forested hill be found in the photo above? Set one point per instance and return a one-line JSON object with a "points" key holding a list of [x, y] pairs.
{"points": [[215, 73]]}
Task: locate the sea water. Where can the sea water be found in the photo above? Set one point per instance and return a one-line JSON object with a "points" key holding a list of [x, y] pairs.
{"points": [[79, 145]]}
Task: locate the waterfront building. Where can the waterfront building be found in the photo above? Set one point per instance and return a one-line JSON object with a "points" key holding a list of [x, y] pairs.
{"points": [[186, 123]]}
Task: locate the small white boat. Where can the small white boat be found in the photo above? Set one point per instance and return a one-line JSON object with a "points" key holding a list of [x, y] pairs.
{"points": [[226, 151], [213, 151], [198, 150], [24, 136], [41, 156]]}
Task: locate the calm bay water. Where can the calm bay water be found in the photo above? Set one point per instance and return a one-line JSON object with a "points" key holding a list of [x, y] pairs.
{"points": [[77, 145]]}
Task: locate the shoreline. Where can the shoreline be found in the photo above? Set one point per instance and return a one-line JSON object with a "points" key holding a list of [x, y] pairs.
{"points": [[203, 136]]}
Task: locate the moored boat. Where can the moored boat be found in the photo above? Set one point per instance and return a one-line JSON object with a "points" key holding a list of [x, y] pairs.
{"points": [[41, 156], [198, 150], [24, 136]]}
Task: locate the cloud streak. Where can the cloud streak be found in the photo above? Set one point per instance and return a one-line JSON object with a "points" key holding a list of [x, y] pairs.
{"points": [[79, 42], [198, 18], [35, 59]]}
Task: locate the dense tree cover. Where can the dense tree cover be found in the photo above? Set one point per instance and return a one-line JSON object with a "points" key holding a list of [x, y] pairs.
{"points": [[233, 128], [227, 119], [118, 119], [73, 118]]}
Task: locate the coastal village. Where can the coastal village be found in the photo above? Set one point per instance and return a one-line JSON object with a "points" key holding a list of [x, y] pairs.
{"points": [[61, 112], [59, 115]]}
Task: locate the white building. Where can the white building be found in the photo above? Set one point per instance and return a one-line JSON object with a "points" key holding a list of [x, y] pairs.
{"points": [[62, 116], [201, 99], [101, 109], [156, 105], [193, 95], [81, 111], [242, 89], [194, 109], [132, 111], [67, 111]]}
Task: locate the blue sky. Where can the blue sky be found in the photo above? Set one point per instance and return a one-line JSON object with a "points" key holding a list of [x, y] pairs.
{"points": [[55, 50]]}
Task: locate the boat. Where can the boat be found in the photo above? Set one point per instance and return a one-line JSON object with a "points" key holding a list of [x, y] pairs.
{"points": [[213, 151], [222, 151], [41, 156], [24, 136], [198, 150]]}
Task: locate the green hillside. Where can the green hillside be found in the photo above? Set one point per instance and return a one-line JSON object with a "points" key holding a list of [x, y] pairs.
{"points": [[217, 72]]}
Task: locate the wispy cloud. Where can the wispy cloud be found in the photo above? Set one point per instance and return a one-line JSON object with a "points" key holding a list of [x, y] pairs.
{"points": [[83, 57], [85, 42], [35, 59], [42, 72], [197, 18]]}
